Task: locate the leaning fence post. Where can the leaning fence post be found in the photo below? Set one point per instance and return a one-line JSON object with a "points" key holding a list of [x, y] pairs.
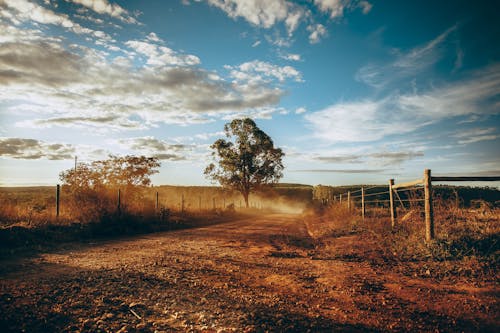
{"points": [[349, 200], [363, 211], [58, 196], [429, 215], [393, 206]]}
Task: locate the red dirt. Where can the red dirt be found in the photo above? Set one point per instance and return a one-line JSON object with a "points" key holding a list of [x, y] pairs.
{"points": [[257, 274]]}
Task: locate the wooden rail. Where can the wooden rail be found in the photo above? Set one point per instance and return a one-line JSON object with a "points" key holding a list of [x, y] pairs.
{"points": [[425, 183], [465, 179], [408, 184]]}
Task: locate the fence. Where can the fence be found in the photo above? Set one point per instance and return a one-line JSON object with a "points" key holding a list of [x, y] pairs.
{"points": [[393, 192], [181, 202]]}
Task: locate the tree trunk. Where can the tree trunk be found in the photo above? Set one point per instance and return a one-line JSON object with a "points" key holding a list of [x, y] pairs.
{"points": [[245, 196]]}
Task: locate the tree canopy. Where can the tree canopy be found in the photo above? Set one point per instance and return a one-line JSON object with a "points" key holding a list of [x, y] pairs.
{"points": [[247, 160], [116, 171]]}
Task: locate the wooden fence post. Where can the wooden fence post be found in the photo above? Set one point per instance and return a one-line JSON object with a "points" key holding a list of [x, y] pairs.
{"points": [[182, 203], [363, 211], [58, 197], [349, 200], [392, 205], [199, 202], [213, 201], [157, 204], [429, 214], [119, 201], [340, 198]]}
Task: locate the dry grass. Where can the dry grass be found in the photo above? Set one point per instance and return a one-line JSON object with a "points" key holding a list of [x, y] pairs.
{"points": [[35, 206], [28, 215], [467, 241]]}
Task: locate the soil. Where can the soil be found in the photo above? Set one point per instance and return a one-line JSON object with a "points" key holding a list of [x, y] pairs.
{"points": [[258, 274]]}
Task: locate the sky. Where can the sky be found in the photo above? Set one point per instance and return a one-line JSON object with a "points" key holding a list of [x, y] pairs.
{"points": [[354, 92]]}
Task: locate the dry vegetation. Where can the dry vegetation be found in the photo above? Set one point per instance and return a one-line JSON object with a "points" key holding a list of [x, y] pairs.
{"points": [[28, 214], [321, 270], [467, 242]]}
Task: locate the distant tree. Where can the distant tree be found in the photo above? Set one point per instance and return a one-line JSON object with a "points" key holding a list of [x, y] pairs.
{"points": [[247, 160], [126, 171]]}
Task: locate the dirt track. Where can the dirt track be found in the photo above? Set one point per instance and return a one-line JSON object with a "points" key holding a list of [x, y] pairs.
{"points": [[257, 274]]}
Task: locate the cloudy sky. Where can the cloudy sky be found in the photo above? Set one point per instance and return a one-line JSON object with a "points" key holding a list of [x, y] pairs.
{"points": [[353, 91]]}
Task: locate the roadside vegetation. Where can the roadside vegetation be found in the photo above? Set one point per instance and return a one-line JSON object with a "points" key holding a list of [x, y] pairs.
{"points": [[467, 242]]}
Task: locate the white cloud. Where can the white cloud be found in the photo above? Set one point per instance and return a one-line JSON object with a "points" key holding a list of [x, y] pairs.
{"points": [[291, 56], [264, 13], [300, 110], [371, 120], [278, 40], [254, 71], [104, 7], [257, 43], [476, 135], [405, 64], [334, 7], [372, 156], [19, 11], [31, 149], [154, 38], [337, 8], [366, 7], [77, 86], [293, 19], [258, 12], [317, 32], [267, 14], [27, 10], [158, 55], [152, 146], [207, 136]]}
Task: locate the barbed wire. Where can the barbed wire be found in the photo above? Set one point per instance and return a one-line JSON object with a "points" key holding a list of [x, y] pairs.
{"points": [[408, 188], [377, 193]]}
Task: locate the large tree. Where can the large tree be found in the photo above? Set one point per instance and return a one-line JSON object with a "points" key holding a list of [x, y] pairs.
{"points": [[247, 160]]}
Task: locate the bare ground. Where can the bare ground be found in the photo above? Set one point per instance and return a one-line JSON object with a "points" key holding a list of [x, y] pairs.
{"points": [[258, 274]]}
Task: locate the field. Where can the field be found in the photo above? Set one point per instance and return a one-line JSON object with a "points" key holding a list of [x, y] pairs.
{"points": [[299, 267]]}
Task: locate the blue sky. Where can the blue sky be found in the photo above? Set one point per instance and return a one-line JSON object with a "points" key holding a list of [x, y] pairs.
{"points": [[353, 91]]}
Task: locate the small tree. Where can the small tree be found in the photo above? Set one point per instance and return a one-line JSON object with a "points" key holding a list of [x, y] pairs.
{"points": [[93, 185], [247, 160], [126, 171]]}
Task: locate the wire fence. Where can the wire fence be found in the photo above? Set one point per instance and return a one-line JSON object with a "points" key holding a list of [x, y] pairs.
{"points": [[405, 196]]}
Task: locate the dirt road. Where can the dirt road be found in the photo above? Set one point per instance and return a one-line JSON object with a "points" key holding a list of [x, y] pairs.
{"points": [[258, 274]]}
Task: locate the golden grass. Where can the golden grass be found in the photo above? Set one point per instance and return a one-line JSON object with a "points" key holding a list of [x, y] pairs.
{"points": [[467, 240]]}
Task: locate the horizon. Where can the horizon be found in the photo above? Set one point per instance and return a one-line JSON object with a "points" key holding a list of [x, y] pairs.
{"points": [[354, 92]]}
